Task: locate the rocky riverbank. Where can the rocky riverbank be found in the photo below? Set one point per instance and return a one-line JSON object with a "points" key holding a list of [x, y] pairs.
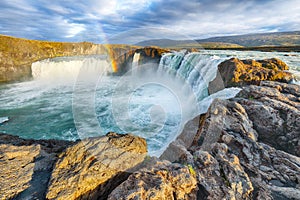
{"points": [[246, 147]]}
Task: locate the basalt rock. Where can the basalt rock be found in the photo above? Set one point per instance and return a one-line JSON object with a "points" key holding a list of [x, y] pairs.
{"points": [[235, 72], [243, 148], [162, 180], [26, 166], [51, 169], [274, 109], [231, 162], [95, 166], [148, 56], [17, 55], [17, 168]]}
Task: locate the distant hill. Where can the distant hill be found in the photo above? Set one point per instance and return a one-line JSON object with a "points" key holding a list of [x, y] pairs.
{"points": [[166, 42], [262, 39], [249, 40]]}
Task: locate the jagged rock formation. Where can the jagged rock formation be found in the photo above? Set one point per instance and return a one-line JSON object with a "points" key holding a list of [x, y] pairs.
{"points": [[148, 55], [93, 167], [161, 180], [40, 169], [230, 154], [235, 72], [26, 166], [274, 109]]}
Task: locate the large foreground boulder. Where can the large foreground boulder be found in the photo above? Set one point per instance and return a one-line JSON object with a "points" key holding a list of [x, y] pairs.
{"points": [[17, 168], [235, 72], [93, 167], [51, 169], [26, 166], [161, 180], [271, 172]]}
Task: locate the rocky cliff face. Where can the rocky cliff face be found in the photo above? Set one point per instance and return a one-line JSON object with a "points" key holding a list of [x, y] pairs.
{"points": [[149, 55], [229, 156], [17, 55]]}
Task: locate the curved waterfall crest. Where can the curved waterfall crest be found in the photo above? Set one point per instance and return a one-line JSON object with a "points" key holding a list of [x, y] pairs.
{"points": [[152, 100]]}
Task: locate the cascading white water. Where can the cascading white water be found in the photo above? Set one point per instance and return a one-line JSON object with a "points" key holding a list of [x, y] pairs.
{"points": [[153, 104], [161, 100], [65, 69], [196, 69], [135, 60], [135, 64]]}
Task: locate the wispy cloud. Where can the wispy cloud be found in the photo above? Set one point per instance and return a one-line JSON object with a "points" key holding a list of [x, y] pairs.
{"points": [[97, 20]]}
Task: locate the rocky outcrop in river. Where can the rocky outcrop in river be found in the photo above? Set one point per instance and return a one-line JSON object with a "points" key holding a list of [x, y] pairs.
{"points": [[235, 72]]}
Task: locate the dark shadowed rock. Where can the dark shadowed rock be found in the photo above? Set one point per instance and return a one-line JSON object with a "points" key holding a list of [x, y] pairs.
{"points": [[231, 162], [148, 55], [163, 180], [178, 147], [17, 168], [26, 166], [95, 166], [243, 147], [274, 109]]}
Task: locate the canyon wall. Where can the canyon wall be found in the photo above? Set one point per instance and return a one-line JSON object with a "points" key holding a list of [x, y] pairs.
{"points": [[17, 55]]}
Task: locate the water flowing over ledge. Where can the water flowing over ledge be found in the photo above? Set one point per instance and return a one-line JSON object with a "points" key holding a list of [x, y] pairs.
{"points": [[77, 97]]}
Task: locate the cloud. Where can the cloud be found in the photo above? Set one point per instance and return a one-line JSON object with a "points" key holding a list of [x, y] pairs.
{"points": [[97, 20]]}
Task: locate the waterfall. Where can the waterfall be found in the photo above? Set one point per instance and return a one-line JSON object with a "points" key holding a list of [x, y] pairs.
{"points": [[135, 63], [196, 70], [66, 69], [135, 60], [170, 62]]}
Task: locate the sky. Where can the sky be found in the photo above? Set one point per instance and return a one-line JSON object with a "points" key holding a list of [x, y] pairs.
{"points": [[131, 21]]}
